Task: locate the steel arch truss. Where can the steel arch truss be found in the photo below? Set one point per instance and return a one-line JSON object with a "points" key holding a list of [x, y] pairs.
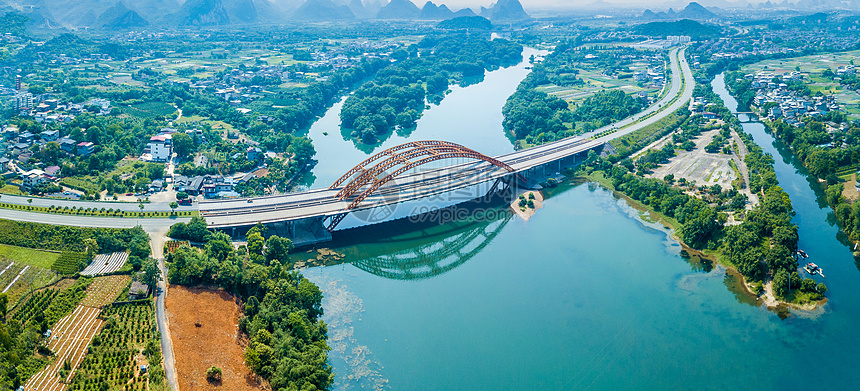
{"points": [[381, 168]]}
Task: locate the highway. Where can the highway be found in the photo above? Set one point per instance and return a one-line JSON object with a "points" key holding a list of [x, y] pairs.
{"points": [[322, 202], [123, 206]]}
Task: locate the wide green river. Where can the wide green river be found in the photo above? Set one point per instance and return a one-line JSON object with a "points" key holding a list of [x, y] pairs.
{"points": [[584, 295]]}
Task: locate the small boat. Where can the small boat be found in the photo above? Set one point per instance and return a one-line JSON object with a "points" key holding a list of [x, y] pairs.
{"points": [[813, 269], [802, 254]]}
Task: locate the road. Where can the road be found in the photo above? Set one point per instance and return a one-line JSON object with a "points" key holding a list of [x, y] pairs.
{"points": [[124, 206], [448, 178], [322, 203], [157, 239]]}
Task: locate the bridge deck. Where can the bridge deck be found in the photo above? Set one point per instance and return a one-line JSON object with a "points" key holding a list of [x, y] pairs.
{"points": [[322, 202]]}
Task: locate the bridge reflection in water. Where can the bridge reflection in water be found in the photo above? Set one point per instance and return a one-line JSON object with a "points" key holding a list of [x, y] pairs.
{"points": [[434, 257], [413, 249]]}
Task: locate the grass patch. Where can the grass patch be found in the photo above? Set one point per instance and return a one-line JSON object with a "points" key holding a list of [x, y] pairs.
{"points": [[149, 110], [29, 256], [10, 189]]}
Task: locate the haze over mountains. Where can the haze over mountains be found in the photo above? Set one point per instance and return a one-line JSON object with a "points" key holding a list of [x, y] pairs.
{"points": [[119, 14]]}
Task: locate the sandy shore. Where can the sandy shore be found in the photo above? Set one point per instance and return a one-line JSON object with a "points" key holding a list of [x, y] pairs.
{"points": [[525, 212]]}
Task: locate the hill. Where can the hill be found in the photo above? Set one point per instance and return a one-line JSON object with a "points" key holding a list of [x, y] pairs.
{"points": [[120, 17], [399, 9], [693, 11], [320, 10], [466, 22], [433, 12], [689, 27], [696, 11], [505, 11], [203, 13]]}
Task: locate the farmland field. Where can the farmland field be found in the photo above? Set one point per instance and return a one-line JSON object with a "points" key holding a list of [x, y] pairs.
{"points": [[69, 340], [18, 278], [104, 290], [127, 340], [105, 263], [69, 262], [43, 259]]}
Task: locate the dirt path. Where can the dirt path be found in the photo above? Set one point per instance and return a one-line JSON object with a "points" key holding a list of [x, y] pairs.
{"points": [[742, 167], [157, 238]]}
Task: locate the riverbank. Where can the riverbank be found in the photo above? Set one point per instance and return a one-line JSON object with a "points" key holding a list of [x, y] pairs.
{"points": [[760, 290]]}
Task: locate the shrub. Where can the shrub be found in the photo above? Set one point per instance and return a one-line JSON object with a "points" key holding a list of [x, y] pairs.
{"points": [[213, 374]]}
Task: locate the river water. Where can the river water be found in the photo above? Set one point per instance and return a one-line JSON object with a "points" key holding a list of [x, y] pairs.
{"points": [[584, 295], [470, 116]]}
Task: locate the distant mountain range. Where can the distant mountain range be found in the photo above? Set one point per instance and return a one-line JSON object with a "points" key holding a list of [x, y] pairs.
{"points": [[694, 11], [124, 14]]}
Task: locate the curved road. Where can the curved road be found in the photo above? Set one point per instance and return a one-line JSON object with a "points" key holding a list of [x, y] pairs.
{"points": [[680, 92]]}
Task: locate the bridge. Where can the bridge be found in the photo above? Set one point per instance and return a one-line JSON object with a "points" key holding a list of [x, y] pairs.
{"points": [[401, 174]]}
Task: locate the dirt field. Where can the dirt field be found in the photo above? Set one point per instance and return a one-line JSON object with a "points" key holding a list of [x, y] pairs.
{"points": [[216, 342], [700, 166]]}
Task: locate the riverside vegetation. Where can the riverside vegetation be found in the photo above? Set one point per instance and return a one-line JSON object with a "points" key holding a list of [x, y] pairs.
{"points": [[532, 116], [282, 308], [423, 71], [828, 146], [762, 247]]}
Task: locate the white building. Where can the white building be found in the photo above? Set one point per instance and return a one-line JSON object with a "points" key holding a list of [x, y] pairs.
{"points": [[32, 178], [24, 101], [159, 148]]}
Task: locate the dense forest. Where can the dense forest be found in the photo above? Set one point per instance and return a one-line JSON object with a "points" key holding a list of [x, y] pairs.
{"points": [[536, 117], [396, 97], [606, 107], [282, 308]]}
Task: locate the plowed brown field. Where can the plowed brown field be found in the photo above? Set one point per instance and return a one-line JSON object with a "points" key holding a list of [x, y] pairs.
{"points": [[216, 342]]}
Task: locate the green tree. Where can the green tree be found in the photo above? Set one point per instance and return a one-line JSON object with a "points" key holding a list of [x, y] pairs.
{"points": [[151, 273], [780, 283], [278, 248], [173, 206], [255, 243], [183, 145], [4, 301]]}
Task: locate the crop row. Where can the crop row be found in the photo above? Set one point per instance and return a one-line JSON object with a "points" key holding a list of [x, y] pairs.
{"points": [[70, 262], [110, 360], [35, 306], [105, 263], [104, 290], [68, 340]]}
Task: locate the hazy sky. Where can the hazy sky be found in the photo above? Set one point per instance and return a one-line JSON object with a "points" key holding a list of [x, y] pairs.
{"points": [[537, 4]]}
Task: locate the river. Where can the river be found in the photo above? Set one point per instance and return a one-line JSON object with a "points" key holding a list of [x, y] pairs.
{"points": [[584, 295], [470, 116]]}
